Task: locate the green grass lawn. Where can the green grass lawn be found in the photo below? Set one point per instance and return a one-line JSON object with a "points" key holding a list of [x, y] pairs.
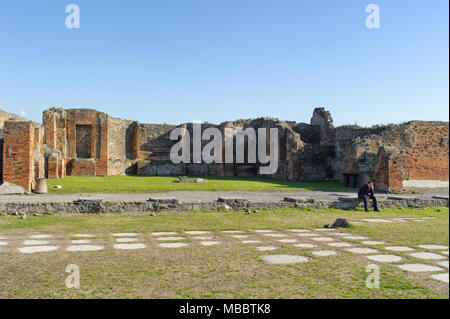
{"points": [[155, 184], [228, 270]]}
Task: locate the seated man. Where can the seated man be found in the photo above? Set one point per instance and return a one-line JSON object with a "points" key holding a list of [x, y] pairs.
{"points": [[367, 191]]}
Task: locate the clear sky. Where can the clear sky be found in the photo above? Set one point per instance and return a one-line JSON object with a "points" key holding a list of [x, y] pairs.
{"points": [[173, 61]]}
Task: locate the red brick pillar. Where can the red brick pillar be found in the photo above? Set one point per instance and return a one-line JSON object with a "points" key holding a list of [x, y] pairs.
{"points": [[52, 167], [102, 160], [18, 158], [136, 140]]}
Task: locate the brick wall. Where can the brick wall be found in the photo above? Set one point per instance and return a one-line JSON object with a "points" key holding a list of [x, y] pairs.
{"points": [[102, 150], [52, 167], [18, 159], [83, 167], [428, 159], [77, 133], [390, 154]]}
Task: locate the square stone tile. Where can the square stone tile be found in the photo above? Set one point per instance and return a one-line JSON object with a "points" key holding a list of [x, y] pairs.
{"points": [[283, 259], [419, 268], [427, 256]]}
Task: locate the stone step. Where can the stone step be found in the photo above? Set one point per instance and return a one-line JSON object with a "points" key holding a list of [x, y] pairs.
{"points": [[441, 197]]}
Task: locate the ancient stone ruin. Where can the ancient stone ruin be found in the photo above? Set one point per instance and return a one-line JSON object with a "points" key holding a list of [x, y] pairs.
{"points": [[86, 142]]}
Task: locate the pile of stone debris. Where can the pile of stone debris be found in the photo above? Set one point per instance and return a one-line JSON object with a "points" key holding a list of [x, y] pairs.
{"points": [[185, 179]]}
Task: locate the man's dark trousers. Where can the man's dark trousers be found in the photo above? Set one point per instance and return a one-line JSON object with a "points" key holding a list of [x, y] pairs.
{"points": [[366, 202]]}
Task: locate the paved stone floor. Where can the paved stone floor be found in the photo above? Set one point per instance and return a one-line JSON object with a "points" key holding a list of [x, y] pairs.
{"points": [[430, 260]]}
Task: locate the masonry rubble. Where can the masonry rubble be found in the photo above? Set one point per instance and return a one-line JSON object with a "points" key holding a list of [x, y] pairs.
{"points": [[100, 205], [86, 142]]}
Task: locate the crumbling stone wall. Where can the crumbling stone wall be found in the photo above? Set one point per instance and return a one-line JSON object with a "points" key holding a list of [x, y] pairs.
{"points": [[394, 153], [86, 142], [121, 142], [155, 141], [118, 138], [156, 147], [428, 158], [73, 134], [323, 123]]}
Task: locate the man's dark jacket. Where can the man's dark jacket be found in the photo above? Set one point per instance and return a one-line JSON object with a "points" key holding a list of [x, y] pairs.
{"points": [[365, 190]]}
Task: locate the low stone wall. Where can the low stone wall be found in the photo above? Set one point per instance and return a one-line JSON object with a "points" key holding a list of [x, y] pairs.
{"points": [[98, 205]]}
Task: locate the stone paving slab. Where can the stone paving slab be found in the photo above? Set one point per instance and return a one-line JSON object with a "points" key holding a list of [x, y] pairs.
{"points": [[419, 268], [129, 246], [266, 248], [37, 249], [35, 242], [427, 256], [81, 241], [124, 234], [323, 239], [41, 236], [240, 236], [126, 240], [385, 258], [251, 241], [360, 250], [373, 242], [55, 242], [353, 237], [399, 248], [283, 259], [203, 237], [433, 247], [441, 277], [170, 238], [209, 243], [376, 220], [324, 253], [84, 248]]}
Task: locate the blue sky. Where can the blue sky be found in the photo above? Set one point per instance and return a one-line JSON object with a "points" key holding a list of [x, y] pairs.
{"points": [[176, 61]]}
